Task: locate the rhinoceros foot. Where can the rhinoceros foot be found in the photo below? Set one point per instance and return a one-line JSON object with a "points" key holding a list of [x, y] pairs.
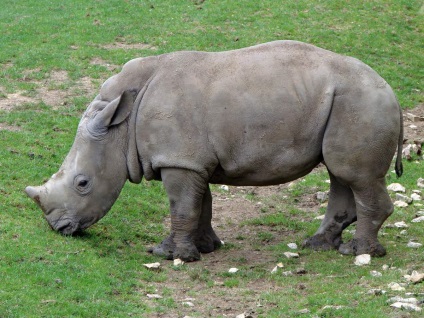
{"points": [[207, 241], [362, 246], [165, 249], [322, 242]]}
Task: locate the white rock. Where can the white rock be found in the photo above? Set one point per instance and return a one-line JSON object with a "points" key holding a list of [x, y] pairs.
{"points": [[403, 198], [418, 219], [401, 225], [291, 255], [178, 262], [188, 303], [406, 306], [396, 287], [376, 291], [224, 187], [385, 267], [320, 217], [402, 300], [400, 204], [293, 246], [416, 197], [333, 307], [415, 277], [420, 182], [152, 265], [420, 213], [233, 270], [275, 269], [288, 273], [413, 127], [414, 244], [396, 187], [154, 296], [304, 311], [363, 259], [403, 232], [416, 191], [376, 274], [322, 196]]}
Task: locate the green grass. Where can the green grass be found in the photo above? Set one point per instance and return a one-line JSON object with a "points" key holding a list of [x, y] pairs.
{"points": [[100, 273]]}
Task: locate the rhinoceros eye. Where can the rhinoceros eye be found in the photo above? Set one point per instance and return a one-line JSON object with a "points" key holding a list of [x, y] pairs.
{"points": [[82, 184]]}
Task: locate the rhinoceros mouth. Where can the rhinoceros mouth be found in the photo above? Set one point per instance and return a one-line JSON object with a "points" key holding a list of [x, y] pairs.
{"points": [[65, 226]]}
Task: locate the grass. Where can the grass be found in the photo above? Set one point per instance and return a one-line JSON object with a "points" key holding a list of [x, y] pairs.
{"points": [[100, 273]]}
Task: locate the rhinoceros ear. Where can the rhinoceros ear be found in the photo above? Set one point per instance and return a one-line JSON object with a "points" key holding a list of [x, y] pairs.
{"points": [[113, 114]]}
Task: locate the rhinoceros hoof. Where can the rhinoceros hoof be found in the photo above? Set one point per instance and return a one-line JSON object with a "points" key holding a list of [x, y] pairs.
{"points": [[208, 243], [362, 246], [320, 242], [164, 249], [187, 253]]}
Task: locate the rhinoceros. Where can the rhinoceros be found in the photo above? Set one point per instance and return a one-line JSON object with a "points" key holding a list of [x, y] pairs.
{"points": [[257, 116]]}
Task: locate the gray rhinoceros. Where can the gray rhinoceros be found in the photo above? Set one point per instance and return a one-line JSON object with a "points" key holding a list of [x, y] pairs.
{"points": [[257, 116]]}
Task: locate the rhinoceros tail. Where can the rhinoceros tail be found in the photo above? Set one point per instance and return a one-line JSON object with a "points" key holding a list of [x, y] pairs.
{"points": [[398, 164]]}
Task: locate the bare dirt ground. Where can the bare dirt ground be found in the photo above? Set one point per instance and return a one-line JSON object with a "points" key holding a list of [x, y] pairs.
{"points": [[231, 209]]}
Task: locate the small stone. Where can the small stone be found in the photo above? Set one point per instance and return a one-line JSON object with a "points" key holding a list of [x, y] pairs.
{"points": [[414, 127], [385, 267], [376, 292], [333, 307], [322, 196], [224, 188], [416, 277], [406, 306], [304, 311], [152, 265], [400, 204], [320, 217], [188, 303], [363, 259], [291, 255], [275, 269], [416, 191], [233, 270], [402, 300], [396, 187], [414, 244], [418, 219], [420, 213], [288, 273], [420, 183], [376, 274], [293, 246], [403, 232], [396, 287], [401, 225], [178, 262], [416, 197], [154, 296], [403, 198]]}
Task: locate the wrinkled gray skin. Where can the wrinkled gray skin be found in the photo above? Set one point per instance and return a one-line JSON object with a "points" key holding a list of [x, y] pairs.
{"points": [[258, 116]]}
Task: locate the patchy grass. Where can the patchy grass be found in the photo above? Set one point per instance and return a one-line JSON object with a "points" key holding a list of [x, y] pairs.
{"points": [[54, 58]]}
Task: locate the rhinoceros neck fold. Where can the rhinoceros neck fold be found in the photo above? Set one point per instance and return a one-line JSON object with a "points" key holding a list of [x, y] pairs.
{"points": [[134, 166]]}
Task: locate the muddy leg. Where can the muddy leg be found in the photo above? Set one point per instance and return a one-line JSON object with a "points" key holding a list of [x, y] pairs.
{"points": [[341, 212], [206, 240], [373, 206], [185, 191]]}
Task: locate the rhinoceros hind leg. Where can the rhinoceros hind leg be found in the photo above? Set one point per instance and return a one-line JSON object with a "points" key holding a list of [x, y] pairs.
{"points": [[206, 240], [373, 206], [361, 246], [341, 212], [165, 249]]}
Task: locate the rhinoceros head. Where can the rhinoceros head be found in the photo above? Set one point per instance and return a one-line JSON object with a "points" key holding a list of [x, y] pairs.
{"points": [[94, 171]]}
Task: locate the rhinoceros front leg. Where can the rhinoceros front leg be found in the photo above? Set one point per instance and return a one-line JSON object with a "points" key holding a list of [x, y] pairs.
{"points": [[341, 212], [187, 193], [206, 240]]}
